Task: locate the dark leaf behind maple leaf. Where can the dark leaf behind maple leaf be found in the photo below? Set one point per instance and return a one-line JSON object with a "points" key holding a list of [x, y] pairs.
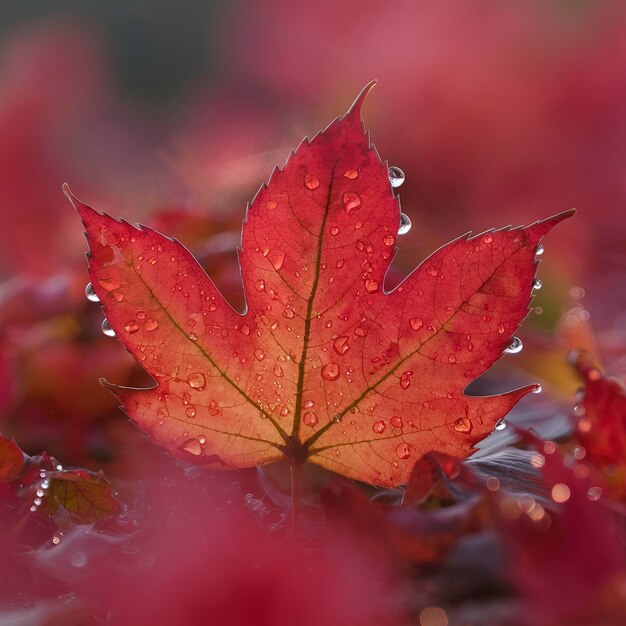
{"points": [[323, 363], [11, 459]]}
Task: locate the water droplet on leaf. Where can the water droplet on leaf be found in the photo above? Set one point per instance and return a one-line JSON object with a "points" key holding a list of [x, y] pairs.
{"points": [[463, 425], [515, 347], [151, 324], [91, 294], [131, 327], [403, 451], [405, 224], [311, 182], [396, 176], [106, 328], [351, 201], [310, 419], [330, 371], [500, 424], [196, 380]]}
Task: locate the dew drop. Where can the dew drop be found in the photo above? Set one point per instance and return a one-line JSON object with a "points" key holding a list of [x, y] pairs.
{"points": [[416, 323], [539, 250], [271, 204], [309, 404], [118, 295], [259, 355], [405, 383], [515, 347], [537, 284], [463, 425], [351, 201], [579, 410], [403, 451], [330, 371], [311, 181], [371, 286], [310, 419], [202, 439], [500, 424], [389, 240], [334, 231], [488, 238], [190, 411], [396, 421], [379, 427], [106, 328], [196, 380], [501, 328], [109, 283], [351, 174], [192, 446], [340, 345], [131, 327], [538, 389], [276, 258], [278, 371], [288, 313], [396, 176], [151, 324], [405, 224], [90, 294], [452, 358]]}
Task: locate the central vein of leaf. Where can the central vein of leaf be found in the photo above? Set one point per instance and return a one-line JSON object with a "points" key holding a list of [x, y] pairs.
{"points": [[309, 311]]}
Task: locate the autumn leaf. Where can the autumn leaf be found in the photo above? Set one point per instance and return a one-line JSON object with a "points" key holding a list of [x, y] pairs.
{"points": [[323, 364], [11, 459]]}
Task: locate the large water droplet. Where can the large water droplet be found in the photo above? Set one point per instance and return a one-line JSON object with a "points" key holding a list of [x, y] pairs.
{"points": [[537, 284], [311, 182], [340, 345], [396, 421], [379, 427], [371, 285], [91, 294], [310, 419], [193, 447], [106, 328], [276, 258], [151, 324], [539, 250], [196, 380], [330, 371], [190, 411], [259, 355], [515, 347], [396, 176], [403, 451], [405, 224], [500, 424]]}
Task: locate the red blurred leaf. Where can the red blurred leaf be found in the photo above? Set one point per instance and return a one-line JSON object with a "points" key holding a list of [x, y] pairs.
{"points": [[11, 459], [600, 420], [323, 364]]}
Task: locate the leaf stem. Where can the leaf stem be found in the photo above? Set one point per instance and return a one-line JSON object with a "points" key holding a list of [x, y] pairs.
{"points": [[295, 465]]}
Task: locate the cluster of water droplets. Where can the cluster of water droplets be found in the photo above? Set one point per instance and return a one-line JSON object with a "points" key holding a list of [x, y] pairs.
{"points": [[396, 178]]}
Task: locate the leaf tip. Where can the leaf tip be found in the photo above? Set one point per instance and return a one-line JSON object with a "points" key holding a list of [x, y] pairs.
{"points": [[355, 109]]}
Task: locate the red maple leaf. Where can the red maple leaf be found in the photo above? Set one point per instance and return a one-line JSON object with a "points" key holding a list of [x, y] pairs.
{"points": [[323, 364]]}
